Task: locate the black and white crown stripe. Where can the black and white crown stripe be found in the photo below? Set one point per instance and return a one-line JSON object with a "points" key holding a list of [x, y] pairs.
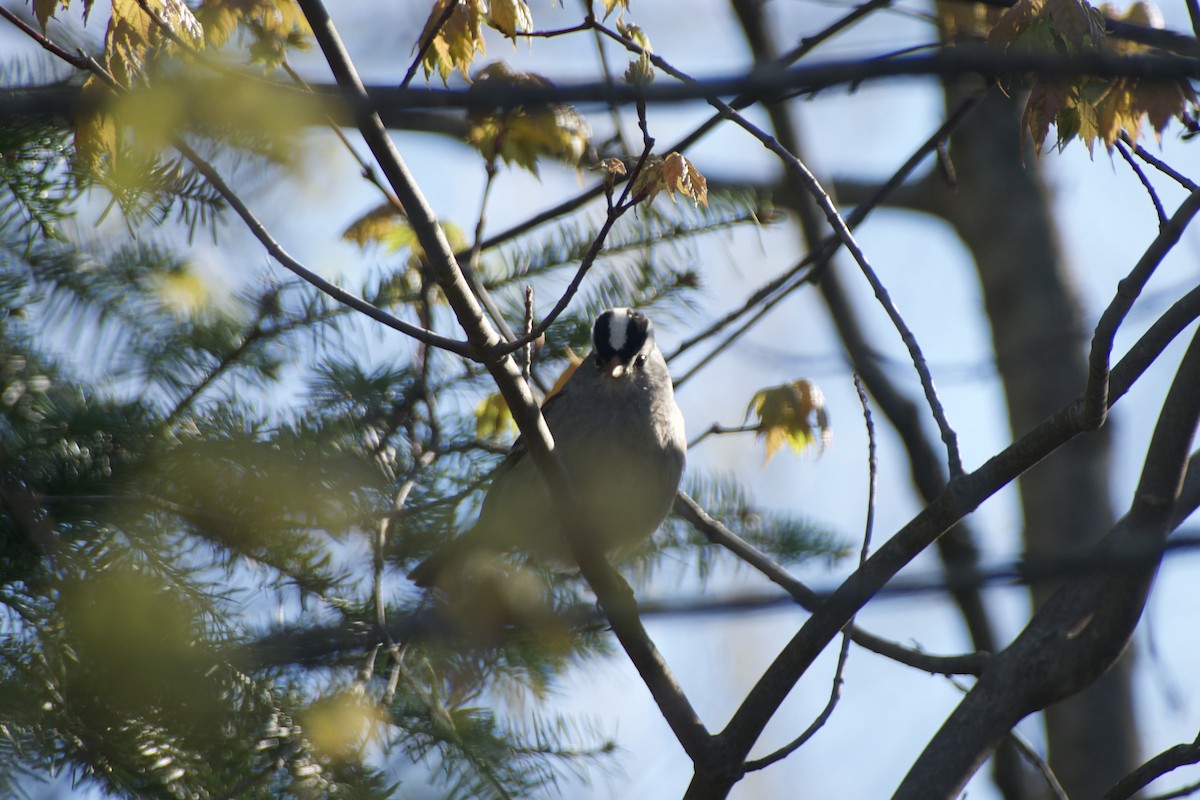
{"points": [[621, 332]]}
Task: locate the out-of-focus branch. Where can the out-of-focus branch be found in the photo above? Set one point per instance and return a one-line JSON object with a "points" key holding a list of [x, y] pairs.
{"points": [[806, 598], [764, 84]]}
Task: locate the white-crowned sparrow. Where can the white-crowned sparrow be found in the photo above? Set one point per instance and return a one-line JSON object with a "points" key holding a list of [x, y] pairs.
{"points": [[621, 438]]}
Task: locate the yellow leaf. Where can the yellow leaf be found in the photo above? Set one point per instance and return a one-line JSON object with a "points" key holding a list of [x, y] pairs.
{"points": [[492, 417], [132, 33], [373, 226], [792, 414], [457, 40], [184, 292], [1046, 101], [510, 17], [521, 135], [675, 173], [609, 5], [273, 25], [43, 10], [640, 71], [682, 176], [340, 726]]}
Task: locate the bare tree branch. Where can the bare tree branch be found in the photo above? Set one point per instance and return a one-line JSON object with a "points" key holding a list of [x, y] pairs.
{"points": [[1083, 628], [1095, 404], [961, 496]]}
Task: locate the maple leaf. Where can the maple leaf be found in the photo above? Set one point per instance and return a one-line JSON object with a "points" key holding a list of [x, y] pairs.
{"points": [[640, 71], [43, 10], [681, 175], [674, 173], [132, 34], [1047, 100], [1088, 108], [609, 5], [522, 134], [510, 17], [792, 414], [387, 226], [374, 226], [1078, 24], [458, 39], [274, 25], [1015, 19]]}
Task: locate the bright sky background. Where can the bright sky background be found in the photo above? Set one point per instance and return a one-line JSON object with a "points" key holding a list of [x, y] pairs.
{"points": [[888, 711]]}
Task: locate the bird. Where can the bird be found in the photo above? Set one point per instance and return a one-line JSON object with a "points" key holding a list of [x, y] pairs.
{"points": [[621, 438]]}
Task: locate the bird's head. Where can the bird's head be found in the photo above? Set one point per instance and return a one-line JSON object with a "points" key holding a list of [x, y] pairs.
{"points": [[622, 340]]}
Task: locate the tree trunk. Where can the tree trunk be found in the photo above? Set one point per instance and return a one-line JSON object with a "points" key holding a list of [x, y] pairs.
{"points": [[1002, 211]]}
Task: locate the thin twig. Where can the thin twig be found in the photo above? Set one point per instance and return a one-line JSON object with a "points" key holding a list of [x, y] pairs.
{"points": [[1170, 759], [286, 260], [1123, 149], [1095, 404], [1159, 164], [835, 692], [779, 287], [810, 182], [717, 429]]}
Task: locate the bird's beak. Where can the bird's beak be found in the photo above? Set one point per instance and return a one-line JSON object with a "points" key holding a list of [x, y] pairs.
{"points": [[616, 368]]}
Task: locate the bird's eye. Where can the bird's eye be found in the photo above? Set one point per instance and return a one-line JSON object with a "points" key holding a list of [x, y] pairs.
{"points": [[640, 361]]}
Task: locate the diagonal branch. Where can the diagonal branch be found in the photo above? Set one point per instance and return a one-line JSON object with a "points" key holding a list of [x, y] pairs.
{"points": [[806, 598], [962, 496], [613, 593], [1085, 626], [1095, 403]]}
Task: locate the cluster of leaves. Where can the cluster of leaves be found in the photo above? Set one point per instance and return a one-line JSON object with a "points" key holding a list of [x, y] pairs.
{"points": [[521, 134], [453, 32], [1089, 108], [134, 106], [793, 413]]}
